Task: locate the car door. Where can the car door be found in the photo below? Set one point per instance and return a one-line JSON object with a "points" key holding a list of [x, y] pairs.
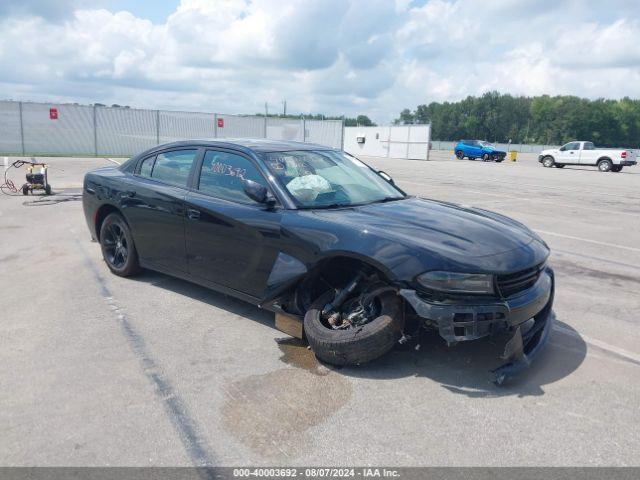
{"points": [[231, 240], [468, 147], [155, 209], [569, 153], [588, 154], [476, 149]]}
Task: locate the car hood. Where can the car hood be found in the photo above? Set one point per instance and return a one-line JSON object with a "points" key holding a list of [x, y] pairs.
{"points": [[443, 235], [549, 151]]}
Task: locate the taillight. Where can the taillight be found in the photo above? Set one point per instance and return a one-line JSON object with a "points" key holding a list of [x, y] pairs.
{"points": [[624, 155]]}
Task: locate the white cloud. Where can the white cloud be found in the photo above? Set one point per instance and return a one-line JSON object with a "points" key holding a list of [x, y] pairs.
{"points": [[330, 56]]}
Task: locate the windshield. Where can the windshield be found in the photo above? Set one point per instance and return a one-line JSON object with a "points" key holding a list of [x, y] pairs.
{"points": [[327, 178]]}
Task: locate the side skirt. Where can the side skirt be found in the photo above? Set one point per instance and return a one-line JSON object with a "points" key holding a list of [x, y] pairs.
{"points": [[203, 283]]}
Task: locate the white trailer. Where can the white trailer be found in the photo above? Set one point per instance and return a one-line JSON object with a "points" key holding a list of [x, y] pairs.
{"points": [[395, 141]]}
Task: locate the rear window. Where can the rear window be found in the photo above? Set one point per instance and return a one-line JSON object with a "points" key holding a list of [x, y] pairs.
{"points": [[173, 167], [147, 166]]}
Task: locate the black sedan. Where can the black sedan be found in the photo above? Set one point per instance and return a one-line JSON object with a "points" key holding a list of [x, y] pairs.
{"points": [[342, 255]]}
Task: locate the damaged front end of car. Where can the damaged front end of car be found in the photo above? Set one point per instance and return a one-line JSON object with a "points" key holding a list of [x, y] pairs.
{"points": [[514, 309], [519, 311]]}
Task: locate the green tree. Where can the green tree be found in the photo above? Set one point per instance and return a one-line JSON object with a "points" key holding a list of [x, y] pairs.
{"points": [[360, 120], [542, 119]]}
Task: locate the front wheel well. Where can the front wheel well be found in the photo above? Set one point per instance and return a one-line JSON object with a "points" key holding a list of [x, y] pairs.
{"points": [[101, 214], [330, 273]]}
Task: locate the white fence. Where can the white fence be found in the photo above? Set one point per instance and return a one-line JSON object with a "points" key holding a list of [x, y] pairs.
{"points": [[398, 141], [46, 128]]}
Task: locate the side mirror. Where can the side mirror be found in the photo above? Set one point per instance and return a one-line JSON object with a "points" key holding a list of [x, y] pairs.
{"points": [[562, 149], [386, 176], [258, 193]]}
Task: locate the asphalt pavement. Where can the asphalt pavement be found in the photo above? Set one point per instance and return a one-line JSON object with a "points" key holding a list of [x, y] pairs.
{"points": [[100, 370]]}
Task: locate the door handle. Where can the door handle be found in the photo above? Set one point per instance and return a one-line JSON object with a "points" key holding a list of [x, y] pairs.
{"points": [[193, 214]]}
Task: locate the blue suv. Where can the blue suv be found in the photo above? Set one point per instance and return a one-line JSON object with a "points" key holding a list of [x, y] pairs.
{"points": [[473, 149]]}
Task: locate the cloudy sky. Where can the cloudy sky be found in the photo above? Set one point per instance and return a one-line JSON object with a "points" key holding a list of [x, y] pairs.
{"points": [[326, 56]]}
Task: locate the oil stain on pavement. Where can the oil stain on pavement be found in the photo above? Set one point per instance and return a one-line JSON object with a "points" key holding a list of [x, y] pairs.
{"points": [[272, 413]]}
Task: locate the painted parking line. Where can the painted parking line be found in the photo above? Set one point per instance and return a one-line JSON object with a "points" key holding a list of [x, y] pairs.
{"points": [[520, 198], [572, 190], [561, 253], [113, 160], [175, 406], [626, 354], [588, 240]]}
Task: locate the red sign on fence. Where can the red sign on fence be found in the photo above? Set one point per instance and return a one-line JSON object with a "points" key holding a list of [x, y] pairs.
{"points": [[53, 113], [221, 123]]}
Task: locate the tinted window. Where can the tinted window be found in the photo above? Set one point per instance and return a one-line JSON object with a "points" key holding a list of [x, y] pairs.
{"points": [[572, 146], [222, 174], [173, 167], [588, 146], [147, 166]]}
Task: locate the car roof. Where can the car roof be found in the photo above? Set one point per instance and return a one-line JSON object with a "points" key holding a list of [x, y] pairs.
{"points": [[247, 145], [254, 144]]}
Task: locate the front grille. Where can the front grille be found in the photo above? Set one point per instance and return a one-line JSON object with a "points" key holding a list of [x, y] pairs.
{"points": [[516, 282]]}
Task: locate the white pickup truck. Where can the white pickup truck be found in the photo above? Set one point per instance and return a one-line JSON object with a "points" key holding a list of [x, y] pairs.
{"points": [[585, 153]]}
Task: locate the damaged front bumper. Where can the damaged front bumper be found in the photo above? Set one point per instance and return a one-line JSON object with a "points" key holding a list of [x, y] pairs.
{"points": [[525, 320]]}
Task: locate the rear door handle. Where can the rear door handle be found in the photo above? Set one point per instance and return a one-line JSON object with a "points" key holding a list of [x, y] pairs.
{"points": [[193, 214]]}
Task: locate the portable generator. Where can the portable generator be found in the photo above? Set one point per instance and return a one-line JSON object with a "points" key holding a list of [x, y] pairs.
{"points": [[36, 178]]}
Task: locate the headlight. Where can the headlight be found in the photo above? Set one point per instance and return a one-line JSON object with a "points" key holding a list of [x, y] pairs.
{"points": [[478, 283]]}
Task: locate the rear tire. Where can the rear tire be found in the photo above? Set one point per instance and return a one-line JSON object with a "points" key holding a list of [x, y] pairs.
{"points": [[616, 168], [25, 190], [357, 345], [548, 162], [559, 165], [459, 154], [47, 189], [118, 249], [605, 165]]}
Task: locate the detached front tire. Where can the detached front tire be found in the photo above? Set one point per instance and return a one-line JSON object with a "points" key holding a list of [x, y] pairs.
{"points": [[118, 249], [354, 346]]}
